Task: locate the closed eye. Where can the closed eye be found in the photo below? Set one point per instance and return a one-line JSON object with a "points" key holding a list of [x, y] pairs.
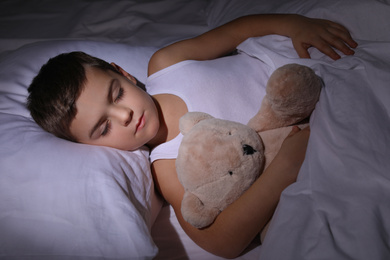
{"points": [[120, 95], [107, 128]]}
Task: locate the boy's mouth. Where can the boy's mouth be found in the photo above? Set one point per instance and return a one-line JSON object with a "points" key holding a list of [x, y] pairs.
{"points": [[140, 123]]}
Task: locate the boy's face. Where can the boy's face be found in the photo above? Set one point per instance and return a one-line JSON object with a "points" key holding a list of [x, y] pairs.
{"points": [[112, 111]]}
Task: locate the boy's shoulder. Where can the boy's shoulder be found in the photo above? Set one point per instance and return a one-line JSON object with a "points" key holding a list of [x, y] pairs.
{"points": [[162, 59]]}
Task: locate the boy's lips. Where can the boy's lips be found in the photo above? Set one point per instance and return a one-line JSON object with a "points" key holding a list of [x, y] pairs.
{"points": [[140, 123]]}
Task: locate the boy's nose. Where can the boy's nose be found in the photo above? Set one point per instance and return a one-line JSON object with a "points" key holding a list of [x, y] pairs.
{"points": [[122, 114]]}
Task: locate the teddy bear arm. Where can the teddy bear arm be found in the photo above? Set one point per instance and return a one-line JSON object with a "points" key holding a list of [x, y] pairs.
{"points": [[266, 118], [196, 213], [292, 93]]}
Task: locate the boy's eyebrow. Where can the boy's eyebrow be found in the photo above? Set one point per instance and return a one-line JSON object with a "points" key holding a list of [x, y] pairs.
{"points": [[101, 120]]}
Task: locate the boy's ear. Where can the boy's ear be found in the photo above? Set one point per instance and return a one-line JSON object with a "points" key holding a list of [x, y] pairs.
{"points": [[123, 72]]}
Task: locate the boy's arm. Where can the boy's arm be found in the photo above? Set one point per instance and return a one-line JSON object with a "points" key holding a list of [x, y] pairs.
{"points": [[304, 33], [238, 224]]}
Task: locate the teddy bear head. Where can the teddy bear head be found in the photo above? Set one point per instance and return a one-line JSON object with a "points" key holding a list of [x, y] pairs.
{"points": [[218, 160]]}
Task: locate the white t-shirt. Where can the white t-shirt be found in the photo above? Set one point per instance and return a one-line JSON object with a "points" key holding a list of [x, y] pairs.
{"points": [[229, 88]]}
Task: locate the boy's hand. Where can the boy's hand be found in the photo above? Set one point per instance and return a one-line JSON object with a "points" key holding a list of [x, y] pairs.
{"points": [[321, 34], [292, 152]]}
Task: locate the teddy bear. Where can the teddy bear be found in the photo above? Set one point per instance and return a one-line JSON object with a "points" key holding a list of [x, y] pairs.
{"points": [[219, 159]]}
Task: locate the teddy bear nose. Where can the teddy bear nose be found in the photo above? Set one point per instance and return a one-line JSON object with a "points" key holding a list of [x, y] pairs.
{"points": [[248, 150]]}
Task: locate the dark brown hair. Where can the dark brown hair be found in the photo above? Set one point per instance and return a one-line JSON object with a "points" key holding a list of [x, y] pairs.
{"points": [[54, 91]]}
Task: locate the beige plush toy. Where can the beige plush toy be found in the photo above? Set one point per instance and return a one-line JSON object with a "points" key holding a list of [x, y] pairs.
{"points": [[218, 159]]}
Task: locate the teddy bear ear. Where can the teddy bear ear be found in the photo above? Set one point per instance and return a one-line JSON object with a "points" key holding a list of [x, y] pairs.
{"points": [[190, 119]]}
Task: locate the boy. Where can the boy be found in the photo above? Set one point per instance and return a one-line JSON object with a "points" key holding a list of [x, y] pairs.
{"points": [[101, 104]]}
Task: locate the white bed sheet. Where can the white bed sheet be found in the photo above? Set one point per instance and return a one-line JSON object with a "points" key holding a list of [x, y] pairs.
{"points": [[338, 209]]}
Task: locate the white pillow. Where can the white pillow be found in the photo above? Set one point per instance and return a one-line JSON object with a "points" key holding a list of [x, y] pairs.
{"points": [[59, 199]]}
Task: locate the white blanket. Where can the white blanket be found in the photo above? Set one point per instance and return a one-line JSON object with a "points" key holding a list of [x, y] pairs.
{"points": [[339, 207]]}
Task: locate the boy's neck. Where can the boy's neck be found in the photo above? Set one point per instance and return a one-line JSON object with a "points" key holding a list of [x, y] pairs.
{"points": [[170, 109], [161, 136]]}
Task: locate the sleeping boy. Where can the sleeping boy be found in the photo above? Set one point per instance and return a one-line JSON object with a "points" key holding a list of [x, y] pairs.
{"points": [[87, 100]]}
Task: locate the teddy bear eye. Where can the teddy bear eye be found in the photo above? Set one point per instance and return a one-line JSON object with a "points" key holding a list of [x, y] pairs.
{"points": [[230, 173], [248, 150], [230, 133]]}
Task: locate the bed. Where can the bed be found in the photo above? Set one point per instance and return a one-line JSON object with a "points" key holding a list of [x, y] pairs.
{"points": [[61, 200]]}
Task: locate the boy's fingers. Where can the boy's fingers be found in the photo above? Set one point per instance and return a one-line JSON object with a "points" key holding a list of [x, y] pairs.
{"points": [[321, 45], [302, 50], [344, 34], [295, 129], [345, 49], [342, 41], [326, 48], [348, 39]]}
